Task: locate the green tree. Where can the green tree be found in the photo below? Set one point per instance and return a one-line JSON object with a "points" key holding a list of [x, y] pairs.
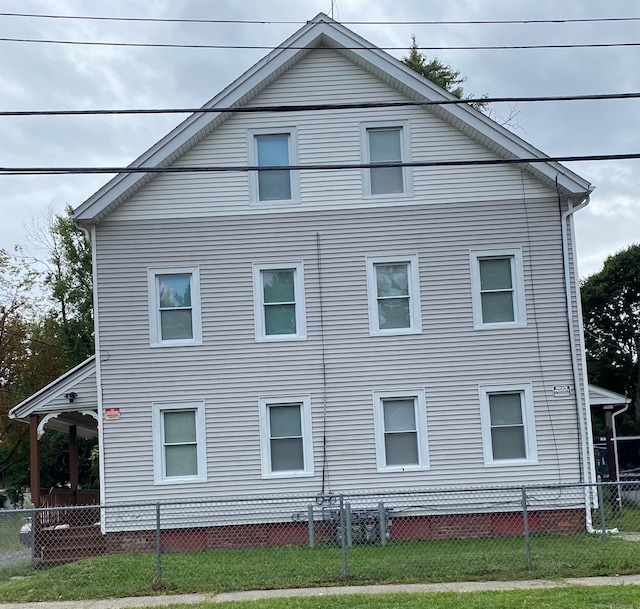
{"points": [[441, 74], [611, 311]]}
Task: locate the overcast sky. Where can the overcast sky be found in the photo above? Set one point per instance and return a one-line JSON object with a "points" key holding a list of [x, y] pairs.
{"points": [[38, 76]]}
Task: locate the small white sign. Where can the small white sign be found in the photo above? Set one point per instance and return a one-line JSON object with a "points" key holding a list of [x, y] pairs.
{"points": [[562, 391]]}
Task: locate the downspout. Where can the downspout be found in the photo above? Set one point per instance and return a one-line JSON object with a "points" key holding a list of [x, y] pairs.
{"points": [[579, 387], [615, 446]]}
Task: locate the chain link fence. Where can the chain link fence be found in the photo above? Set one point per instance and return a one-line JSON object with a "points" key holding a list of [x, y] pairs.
{"points": [[402, 536]]}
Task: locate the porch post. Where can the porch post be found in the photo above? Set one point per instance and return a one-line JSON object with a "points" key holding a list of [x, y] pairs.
{"points": [[34, 460], [73, 459]]}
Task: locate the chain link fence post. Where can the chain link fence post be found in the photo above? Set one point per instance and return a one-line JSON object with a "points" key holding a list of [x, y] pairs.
{"points": [[603, 524], [158, 580], [525, 523], [343, 538]]}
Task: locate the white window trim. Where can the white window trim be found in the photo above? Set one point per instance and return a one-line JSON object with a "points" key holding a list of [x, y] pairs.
{"points": [[421, 427], [528, 419], [414, 294], [517, 276], [155, 331], [294, 175], [307, 436], [159, 475], [405, 148], [258, 301]]}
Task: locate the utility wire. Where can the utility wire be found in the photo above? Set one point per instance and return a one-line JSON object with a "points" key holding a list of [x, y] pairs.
{"points": [[308, 167], [362, 48], [277, 22], [316, 107]]}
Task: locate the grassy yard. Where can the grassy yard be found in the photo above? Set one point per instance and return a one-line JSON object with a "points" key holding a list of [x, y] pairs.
{"points": [[293, 566]]}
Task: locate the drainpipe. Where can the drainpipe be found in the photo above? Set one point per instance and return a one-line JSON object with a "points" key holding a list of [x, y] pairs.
{"points": [[615, 446], [580, 388]]}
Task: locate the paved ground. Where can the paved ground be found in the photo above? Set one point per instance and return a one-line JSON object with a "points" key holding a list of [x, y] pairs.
{"points": [[191, 599]]}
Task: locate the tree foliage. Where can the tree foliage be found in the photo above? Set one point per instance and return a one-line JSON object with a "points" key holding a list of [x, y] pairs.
{"points": [[611, 311], [441, 74]]}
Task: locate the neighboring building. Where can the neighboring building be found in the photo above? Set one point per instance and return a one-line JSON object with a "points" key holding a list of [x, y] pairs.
{"points": [[383, 328]]}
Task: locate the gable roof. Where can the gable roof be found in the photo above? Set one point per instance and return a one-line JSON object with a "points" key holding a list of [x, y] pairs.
{"points": [[603, 397], [322, 31]]}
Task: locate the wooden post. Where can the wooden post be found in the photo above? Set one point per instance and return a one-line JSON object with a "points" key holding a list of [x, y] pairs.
{"points": [[34, 459], [73, 461]]}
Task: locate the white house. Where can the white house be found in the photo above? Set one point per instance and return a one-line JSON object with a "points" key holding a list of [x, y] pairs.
{"points": [[328, 329]]}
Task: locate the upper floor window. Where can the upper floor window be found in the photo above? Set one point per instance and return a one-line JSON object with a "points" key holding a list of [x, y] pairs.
{"points": [[273, 148], [385, 143], [401, 430], [179, 442], [174, 306], [498, 288], [394, 295], [508, 427], [279, 301]]}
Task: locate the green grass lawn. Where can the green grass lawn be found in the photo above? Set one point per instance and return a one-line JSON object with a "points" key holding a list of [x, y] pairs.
{"points": [[293, 566]]}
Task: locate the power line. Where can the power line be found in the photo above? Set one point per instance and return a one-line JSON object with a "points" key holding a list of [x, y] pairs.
{"points": [[278, 22], [157, 45], [316, 107], [309, 167]]}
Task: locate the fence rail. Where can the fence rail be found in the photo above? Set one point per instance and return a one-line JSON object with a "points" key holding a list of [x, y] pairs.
{"points": [[413, 535]]}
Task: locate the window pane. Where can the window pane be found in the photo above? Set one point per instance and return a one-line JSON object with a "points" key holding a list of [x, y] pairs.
{"points": [[394, 313], [384, 145], [399, 415], [385, 180], [273, 150], [174, 291], [179, 427], [181, 460], [505, 409], [508, 443], [279, 319], [278, 286], [285, 421], [392, 279], [495, 274], [286, 455], [401, 448], [497, 307], [176, 324]]}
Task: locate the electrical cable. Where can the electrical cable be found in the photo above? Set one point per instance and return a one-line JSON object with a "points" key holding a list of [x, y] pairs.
{"points": [[317, 107], [310, 167]]}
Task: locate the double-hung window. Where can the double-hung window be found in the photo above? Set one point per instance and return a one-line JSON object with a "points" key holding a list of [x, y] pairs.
{"points": [[286, 439], [401, 430], [386, 144], [273, 148], [179, 442], [394, 295], [174, 306], [279, 307], [508, 427], [498, 288]]}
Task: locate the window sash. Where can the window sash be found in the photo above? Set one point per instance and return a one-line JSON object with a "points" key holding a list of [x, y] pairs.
{"points": [[273, 149], [400, 432], [497, 289], [385, 146]]}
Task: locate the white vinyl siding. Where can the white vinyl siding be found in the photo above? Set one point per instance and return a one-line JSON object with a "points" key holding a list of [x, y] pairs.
{"points": [[401, 430], [393, 284], [174, 306], [286, 438], [279, 307], [383, 143], [498, 288], [273, 148], [508, 426], [179, 443]]}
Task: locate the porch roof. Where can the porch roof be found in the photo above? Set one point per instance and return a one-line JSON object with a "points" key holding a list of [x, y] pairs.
{"points": [[603, 397]]}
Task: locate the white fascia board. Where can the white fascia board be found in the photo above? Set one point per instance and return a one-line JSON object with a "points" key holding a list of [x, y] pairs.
{"points": [[54, 389], [603, 397]]}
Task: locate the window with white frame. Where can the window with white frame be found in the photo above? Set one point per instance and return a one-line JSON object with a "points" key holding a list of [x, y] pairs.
{"points": [[384, 143], [401, 430], [273, 148], [497, 280], [394, 295], [279, 301], [174, 306], [508, 425], [286, 438], [179, 448]]}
